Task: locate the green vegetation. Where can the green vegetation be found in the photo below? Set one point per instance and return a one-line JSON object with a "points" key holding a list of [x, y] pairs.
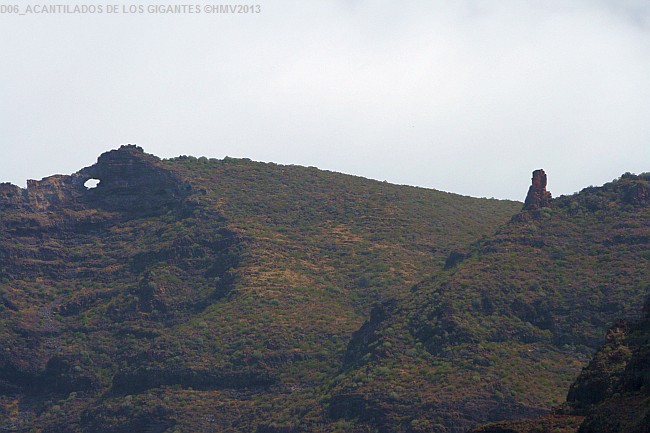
{"points": [[198, 295], [507, 330]]}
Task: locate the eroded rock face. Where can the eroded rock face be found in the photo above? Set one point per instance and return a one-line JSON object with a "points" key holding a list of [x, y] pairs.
{"points": [[40, 195], [55, 210], [129, 180], [602, 377], [10, 196], [68, 252], [139, 379], [132, 180], [612, 393], [538, 197]]}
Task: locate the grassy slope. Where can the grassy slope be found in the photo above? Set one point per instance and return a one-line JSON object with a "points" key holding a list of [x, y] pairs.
{"points": [[505, 332], [240, 302], [611, 394], [323, 248]]}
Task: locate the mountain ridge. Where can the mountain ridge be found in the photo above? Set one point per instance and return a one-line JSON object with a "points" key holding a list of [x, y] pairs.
{"points": [[193, 294], [201, 279], [528, 303]]}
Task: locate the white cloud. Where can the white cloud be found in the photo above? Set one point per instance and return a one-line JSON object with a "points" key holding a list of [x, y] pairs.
{"points": [[468, 97]]}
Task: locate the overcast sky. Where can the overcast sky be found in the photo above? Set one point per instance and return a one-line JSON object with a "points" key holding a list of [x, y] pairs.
{"points": [[462, 96]]}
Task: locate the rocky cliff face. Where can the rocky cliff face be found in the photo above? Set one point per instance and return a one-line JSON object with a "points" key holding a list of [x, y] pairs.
{"points": [[132, 185], [132, 252], [612, 393], [129, 180], [552, 423], [602, 377]]}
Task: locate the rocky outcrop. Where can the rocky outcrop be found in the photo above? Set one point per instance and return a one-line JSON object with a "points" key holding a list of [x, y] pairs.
{"points": [[132, 249], [602, 377], [271, 428], [11, 196], [60, 208], [612, 393], [51, 192], [129, 180], [454, 258], [620, 376], [63, 375], [359, 348], [136, 380], [364, 408], [549, 423], [151, 416], [538, 197]]}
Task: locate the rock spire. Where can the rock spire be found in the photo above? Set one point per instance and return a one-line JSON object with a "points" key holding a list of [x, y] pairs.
{"points": [[538, 197]]}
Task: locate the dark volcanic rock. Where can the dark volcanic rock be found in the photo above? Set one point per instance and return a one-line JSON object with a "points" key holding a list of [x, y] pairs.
{"points": [[130, 419], [63, 376], [454, 258], [602, 376], [267, 428], [623, 406], [360, 343], [14, 379], [538, 197], [141, 379], [356, 406], [60, 211], [611, 395], [548, 423], [131, 180], [11, 196]]}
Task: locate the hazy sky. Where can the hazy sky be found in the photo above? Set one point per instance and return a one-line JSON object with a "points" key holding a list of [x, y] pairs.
{"points": [[462, 96]]}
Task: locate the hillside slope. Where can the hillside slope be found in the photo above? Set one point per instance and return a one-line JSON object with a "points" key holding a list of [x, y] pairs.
{"points": [[613, 391], [203, 295], [504, 330], [611, 394]]}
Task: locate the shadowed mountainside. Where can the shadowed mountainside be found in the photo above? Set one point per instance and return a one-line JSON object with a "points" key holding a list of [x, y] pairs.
{"points": [[611, 394], [506, 327], [199, 295], [203, 295]]}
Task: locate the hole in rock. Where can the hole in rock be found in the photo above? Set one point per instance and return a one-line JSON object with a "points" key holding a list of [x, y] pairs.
{"points": [[91, 183]]}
